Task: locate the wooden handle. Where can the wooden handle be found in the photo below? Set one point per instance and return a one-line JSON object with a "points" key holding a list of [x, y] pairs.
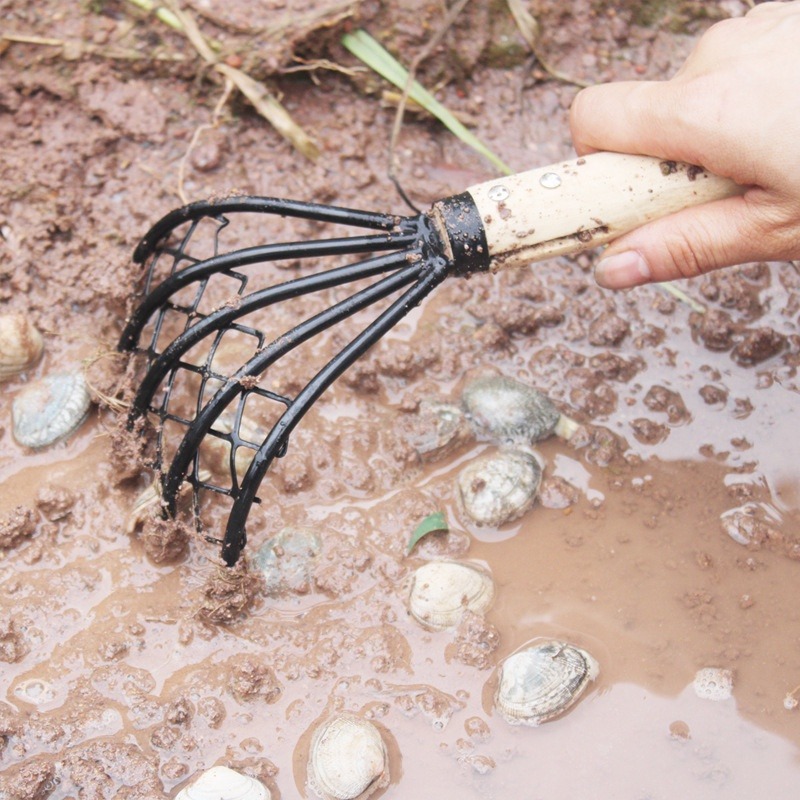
{"points": [[579, 204]]}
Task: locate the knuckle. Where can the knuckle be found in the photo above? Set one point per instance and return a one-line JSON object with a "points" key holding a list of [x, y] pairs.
{"points": [[691, 255]]}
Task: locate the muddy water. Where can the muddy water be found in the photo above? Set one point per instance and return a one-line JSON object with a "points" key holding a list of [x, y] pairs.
{"points": [[115, 679]]}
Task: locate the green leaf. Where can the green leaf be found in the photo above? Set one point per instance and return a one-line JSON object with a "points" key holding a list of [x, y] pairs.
{"points": [[431, 524], [365, 48]]}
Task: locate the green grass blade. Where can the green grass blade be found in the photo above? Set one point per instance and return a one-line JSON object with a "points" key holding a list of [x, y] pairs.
{"points": [[373, 54]]}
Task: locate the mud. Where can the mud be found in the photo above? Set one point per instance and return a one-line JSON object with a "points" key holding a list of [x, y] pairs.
{"points": [[665, 539]]}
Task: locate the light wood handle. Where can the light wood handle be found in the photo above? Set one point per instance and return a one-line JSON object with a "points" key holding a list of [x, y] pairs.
{"points": [[579, 204]]}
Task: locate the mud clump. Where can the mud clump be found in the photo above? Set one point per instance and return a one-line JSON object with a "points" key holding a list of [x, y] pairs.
{"points": [[16, 526], [249, 678], [55, 502], [12, 643], [758, 345], [229, 593], [475, 642], [164, 540], [608, 330]]}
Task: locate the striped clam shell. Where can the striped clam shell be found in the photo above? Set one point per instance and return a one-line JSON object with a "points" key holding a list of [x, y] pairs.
{"points": [[21, 345], [502, 409], [51, 409], [348, 759], [221, 783], [441, 591], [541, 682]]}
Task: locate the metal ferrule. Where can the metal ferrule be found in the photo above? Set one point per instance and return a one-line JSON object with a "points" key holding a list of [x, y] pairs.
{"points": [[463, 233]]}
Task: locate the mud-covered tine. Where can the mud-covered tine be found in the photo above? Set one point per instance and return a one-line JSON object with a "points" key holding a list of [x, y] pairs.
{"points": [[253, 255], [265, 297], [267, 356]]}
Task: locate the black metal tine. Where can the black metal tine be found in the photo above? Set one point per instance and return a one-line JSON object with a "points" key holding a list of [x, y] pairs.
{"points": [[433, 272], [262, 360], [249, 303], [260, 205], [254, 255]]}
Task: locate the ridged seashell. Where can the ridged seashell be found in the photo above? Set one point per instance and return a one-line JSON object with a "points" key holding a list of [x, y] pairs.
{"points": [[713, 683], [348, 759], [221, 783], [50, 409], [441, 591], [20, 345], [436, 430], [217, 450], [499, 487], [542, 681], [286, 560], [504, 410], [150, 497]]}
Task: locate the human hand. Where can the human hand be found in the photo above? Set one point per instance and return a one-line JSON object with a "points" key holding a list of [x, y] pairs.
{"points": [[733, 108]]}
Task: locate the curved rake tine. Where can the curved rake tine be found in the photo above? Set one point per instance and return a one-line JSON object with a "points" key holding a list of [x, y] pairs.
{"points": [[203, 422], [436, 270], [252, 302], [253, 255], [260, 205]]}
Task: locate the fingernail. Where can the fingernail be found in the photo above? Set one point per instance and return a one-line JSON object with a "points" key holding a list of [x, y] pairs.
{"points": [[622, 270]]}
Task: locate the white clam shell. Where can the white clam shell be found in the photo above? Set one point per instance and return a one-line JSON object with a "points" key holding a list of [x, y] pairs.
{"points": [[713, 683], [221, 783], [541, 682], [500, 487], [50, 409], [504, 410], [441, 591], [348, 759], [21, 345]]}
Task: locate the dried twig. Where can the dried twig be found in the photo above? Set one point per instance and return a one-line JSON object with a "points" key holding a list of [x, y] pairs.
{"points": [[265, 103], [215, 120], [529, 28], [434, 41]]}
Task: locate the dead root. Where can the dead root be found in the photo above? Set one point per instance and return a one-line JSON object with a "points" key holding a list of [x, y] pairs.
{"points": [[229, 592]]}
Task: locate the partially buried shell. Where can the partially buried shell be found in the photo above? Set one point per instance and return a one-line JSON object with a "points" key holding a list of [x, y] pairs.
{"points": [[501, 409], [348, 759], [441, 591], [499, 487], [50, 409], [541, 682], [216, 450], [435, 430], [20, 345], [287, 560], [221, 783]]}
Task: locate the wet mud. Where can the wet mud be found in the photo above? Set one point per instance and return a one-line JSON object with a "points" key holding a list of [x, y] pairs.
{"points": [[665, 538]]}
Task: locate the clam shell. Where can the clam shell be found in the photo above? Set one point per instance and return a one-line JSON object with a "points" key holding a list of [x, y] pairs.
{"points": [[504, 410], [287, 559], [542, 681], [348, 759], [499, 487], [50, 409], [221, 783], [21, 345], [217, 451], [441, 591]]}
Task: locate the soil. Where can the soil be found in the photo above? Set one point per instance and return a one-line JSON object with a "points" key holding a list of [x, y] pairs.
{"points": [[666, 536]]}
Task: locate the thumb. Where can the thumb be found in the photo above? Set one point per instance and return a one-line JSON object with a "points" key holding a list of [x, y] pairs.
{"points": [[688, 243]]}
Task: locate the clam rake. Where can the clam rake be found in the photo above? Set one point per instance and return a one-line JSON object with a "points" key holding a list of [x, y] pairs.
{"points": [[507, 222]]}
